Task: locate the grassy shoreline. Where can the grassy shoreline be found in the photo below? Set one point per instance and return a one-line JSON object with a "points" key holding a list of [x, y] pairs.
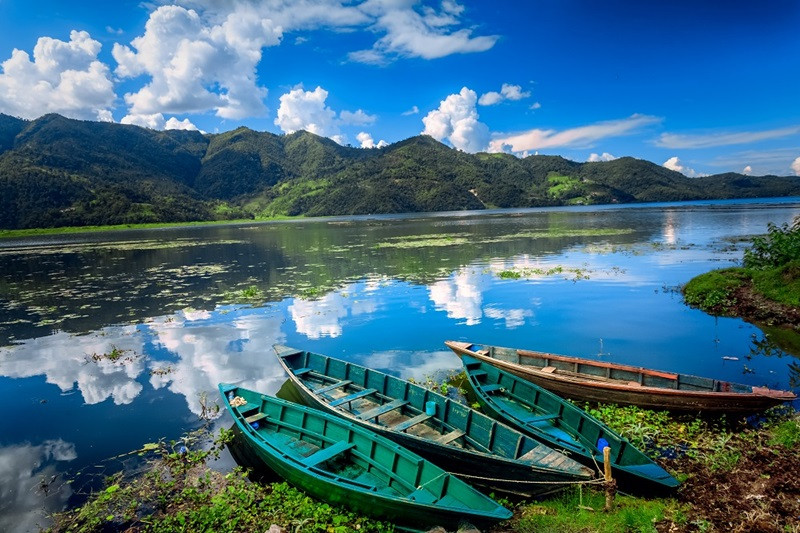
{"points": [[762, 296], [764, 290], [64, 230], [754, 460]]}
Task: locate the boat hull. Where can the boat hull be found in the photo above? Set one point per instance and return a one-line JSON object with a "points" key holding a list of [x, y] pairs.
{"points": [[561, 379]]}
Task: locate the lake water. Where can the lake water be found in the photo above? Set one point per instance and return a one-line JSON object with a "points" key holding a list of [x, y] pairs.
{"points": [[112, 340]]}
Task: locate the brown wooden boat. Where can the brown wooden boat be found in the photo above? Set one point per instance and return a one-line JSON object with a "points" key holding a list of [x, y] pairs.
{"points": [[601, 381]]}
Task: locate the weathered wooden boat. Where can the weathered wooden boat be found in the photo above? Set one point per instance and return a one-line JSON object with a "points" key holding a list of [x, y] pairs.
{"points": [[561, 425], [342, 463], [459, 439], [600, 381]]}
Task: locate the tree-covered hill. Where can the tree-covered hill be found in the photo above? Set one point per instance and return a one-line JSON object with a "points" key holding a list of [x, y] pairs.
{"points": [[56, 171]]}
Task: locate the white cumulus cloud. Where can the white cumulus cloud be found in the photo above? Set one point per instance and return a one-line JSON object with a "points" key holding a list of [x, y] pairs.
{"points": [[367, 141], [411, 33], [747, 170], [456, 120], [64, 77], [605, 156], [413, 111], [185, 56], [490, 98], [673, 163], [306, 110], [175, 124], [507, 92], [156, 121], [796, 166]]}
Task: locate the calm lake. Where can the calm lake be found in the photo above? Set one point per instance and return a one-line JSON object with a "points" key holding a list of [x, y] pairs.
{"points": [[112, 340]]}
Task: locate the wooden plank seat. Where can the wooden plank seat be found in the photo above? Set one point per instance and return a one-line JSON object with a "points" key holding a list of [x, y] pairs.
{"points": [[302, 371], [492, 387], [255, 418], [382, 409], [337, 385], [447, 438], [402, 426], [328, 453], [352, 397], [248, 407]]}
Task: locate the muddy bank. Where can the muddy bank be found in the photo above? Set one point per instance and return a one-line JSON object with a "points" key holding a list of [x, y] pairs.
{"points": [[756, 308]]}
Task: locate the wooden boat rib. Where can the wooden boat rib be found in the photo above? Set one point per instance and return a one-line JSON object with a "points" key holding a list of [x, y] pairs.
{"points": [[561, 425], [457, 438], [600, 381], [341, 463]]}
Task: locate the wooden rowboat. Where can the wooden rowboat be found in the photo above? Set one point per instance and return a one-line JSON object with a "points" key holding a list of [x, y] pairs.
{"points": [[341, 463], [455, 437], [600, 381], [561, 425]]}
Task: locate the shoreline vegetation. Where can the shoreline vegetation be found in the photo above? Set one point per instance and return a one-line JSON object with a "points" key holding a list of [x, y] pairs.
{"points": [[737, 475], [765, 290], [64, 230]]}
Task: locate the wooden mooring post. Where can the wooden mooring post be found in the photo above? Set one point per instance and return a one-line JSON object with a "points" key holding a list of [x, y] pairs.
{"points": [[610, 483]]}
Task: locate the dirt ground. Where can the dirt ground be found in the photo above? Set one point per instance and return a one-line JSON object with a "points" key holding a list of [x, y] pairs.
{"points": [[761, 494], [756, 308]]}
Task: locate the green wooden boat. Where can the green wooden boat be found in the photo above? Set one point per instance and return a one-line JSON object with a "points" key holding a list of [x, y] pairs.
{"points": [[560, 424], [461, 440], [341, 463]]}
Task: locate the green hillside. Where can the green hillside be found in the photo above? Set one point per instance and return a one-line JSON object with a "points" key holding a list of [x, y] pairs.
{"points": [[56, 171]]}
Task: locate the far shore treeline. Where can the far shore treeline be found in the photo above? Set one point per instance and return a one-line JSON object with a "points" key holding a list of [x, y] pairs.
{"points": [[58, 172]]}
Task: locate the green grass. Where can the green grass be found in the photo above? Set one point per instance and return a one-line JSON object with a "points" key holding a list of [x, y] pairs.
{"points": [[714, 291], [781, 284], [178, 492], [33, 232], [567, 513], [559, 185], [786, 433]]}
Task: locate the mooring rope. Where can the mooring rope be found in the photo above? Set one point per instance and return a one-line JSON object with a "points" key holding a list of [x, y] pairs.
{"points": [[521, 482]]}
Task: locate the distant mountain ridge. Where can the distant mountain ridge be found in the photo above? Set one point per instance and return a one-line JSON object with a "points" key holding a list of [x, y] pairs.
{"points": [[56, 171]]}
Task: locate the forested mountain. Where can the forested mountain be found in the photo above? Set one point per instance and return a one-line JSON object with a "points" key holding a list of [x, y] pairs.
{"points": [[56, 171]]}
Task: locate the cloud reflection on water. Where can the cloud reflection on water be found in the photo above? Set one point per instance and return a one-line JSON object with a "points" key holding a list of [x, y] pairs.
{"points": [[67, 360], [460, 296], [25, 471], [212, 350]]}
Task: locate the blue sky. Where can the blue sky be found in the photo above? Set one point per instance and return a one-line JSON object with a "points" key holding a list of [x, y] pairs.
{"points": [[700, 86]]}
